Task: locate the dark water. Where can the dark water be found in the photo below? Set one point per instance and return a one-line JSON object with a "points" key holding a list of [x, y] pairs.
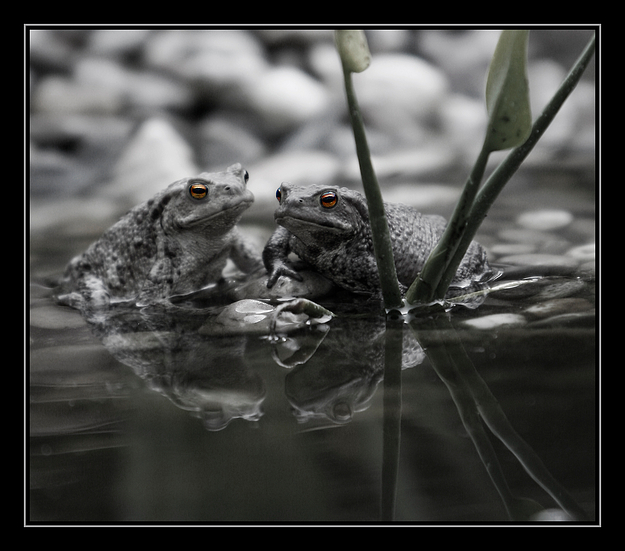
{"points": [[143, 416]]}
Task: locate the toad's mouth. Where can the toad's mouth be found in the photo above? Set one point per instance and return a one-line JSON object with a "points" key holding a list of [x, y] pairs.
{"points": [[297, 224], [228, 212]]}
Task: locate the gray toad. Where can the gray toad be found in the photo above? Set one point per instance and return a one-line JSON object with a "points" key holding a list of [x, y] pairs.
{"points": [[173, 244], [329, 229]]}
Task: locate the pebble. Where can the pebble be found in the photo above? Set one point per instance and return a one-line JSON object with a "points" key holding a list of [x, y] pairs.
{"points": [[545, 220], [284, 98]]}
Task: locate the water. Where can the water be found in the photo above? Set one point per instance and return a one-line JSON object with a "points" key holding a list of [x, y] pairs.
{"points": [[144, 417]]}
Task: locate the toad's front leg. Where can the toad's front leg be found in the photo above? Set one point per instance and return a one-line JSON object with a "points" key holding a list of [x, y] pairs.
{"points": [[275, 256]]}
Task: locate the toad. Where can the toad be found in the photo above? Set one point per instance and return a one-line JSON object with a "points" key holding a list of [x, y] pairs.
{"points": [[173, 244], [328, 228]]}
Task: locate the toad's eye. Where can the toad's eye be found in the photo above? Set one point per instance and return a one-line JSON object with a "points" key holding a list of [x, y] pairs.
{"points": [[328, 199], [198, 191], [279, 194], [246, 176]]}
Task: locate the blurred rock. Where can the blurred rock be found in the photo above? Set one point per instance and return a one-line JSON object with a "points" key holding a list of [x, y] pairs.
{"points": [[285, 98], [53, 173], [53, 51], [74, 153], [118, 43], [463, 124], [583, 253], [463, 55], [225, 138], [156, 156], [537, 259], [61, 95], [399, 93], [525, 235], [546, 219], [134, 89], [389, 40], [219, 63]]}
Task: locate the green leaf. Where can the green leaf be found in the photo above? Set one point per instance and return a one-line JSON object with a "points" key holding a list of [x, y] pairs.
{"points": [[507, 93]]}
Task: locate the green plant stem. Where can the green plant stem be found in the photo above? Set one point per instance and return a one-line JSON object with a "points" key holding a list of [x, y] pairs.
{"points": [[435, 288], [382, 246], [502, 174], [423, 289], [392, 408]]}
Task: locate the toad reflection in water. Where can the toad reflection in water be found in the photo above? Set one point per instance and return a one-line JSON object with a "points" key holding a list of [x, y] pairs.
{"points": [[205, 376], [341, 378]]}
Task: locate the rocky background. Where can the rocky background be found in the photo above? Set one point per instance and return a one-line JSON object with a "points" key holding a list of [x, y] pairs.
{"points": [[117, 115]]}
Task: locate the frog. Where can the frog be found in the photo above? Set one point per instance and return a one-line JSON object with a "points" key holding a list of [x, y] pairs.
{"points": [[175, 243], [328, 228]]}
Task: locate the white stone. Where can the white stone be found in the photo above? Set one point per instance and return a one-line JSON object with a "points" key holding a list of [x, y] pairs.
{"points": [[545, 220], [286, 97]]}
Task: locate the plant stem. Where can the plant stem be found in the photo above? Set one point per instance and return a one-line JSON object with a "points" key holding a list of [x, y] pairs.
{"points": [[382, 246], [502, 174], [436, 288], [392, 408], [424, 288]]}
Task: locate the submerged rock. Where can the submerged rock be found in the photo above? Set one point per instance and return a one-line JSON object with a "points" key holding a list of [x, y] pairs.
{"points": [[496, 321]]}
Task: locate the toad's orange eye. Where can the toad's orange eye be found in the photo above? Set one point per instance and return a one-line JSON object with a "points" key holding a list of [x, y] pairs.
{"points": [[279, 194], [198, 191], [329, 199]]}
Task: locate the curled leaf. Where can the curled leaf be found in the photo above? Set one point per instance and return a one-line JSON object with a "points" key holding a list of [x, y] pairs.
{"points": [[507, 93]]}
